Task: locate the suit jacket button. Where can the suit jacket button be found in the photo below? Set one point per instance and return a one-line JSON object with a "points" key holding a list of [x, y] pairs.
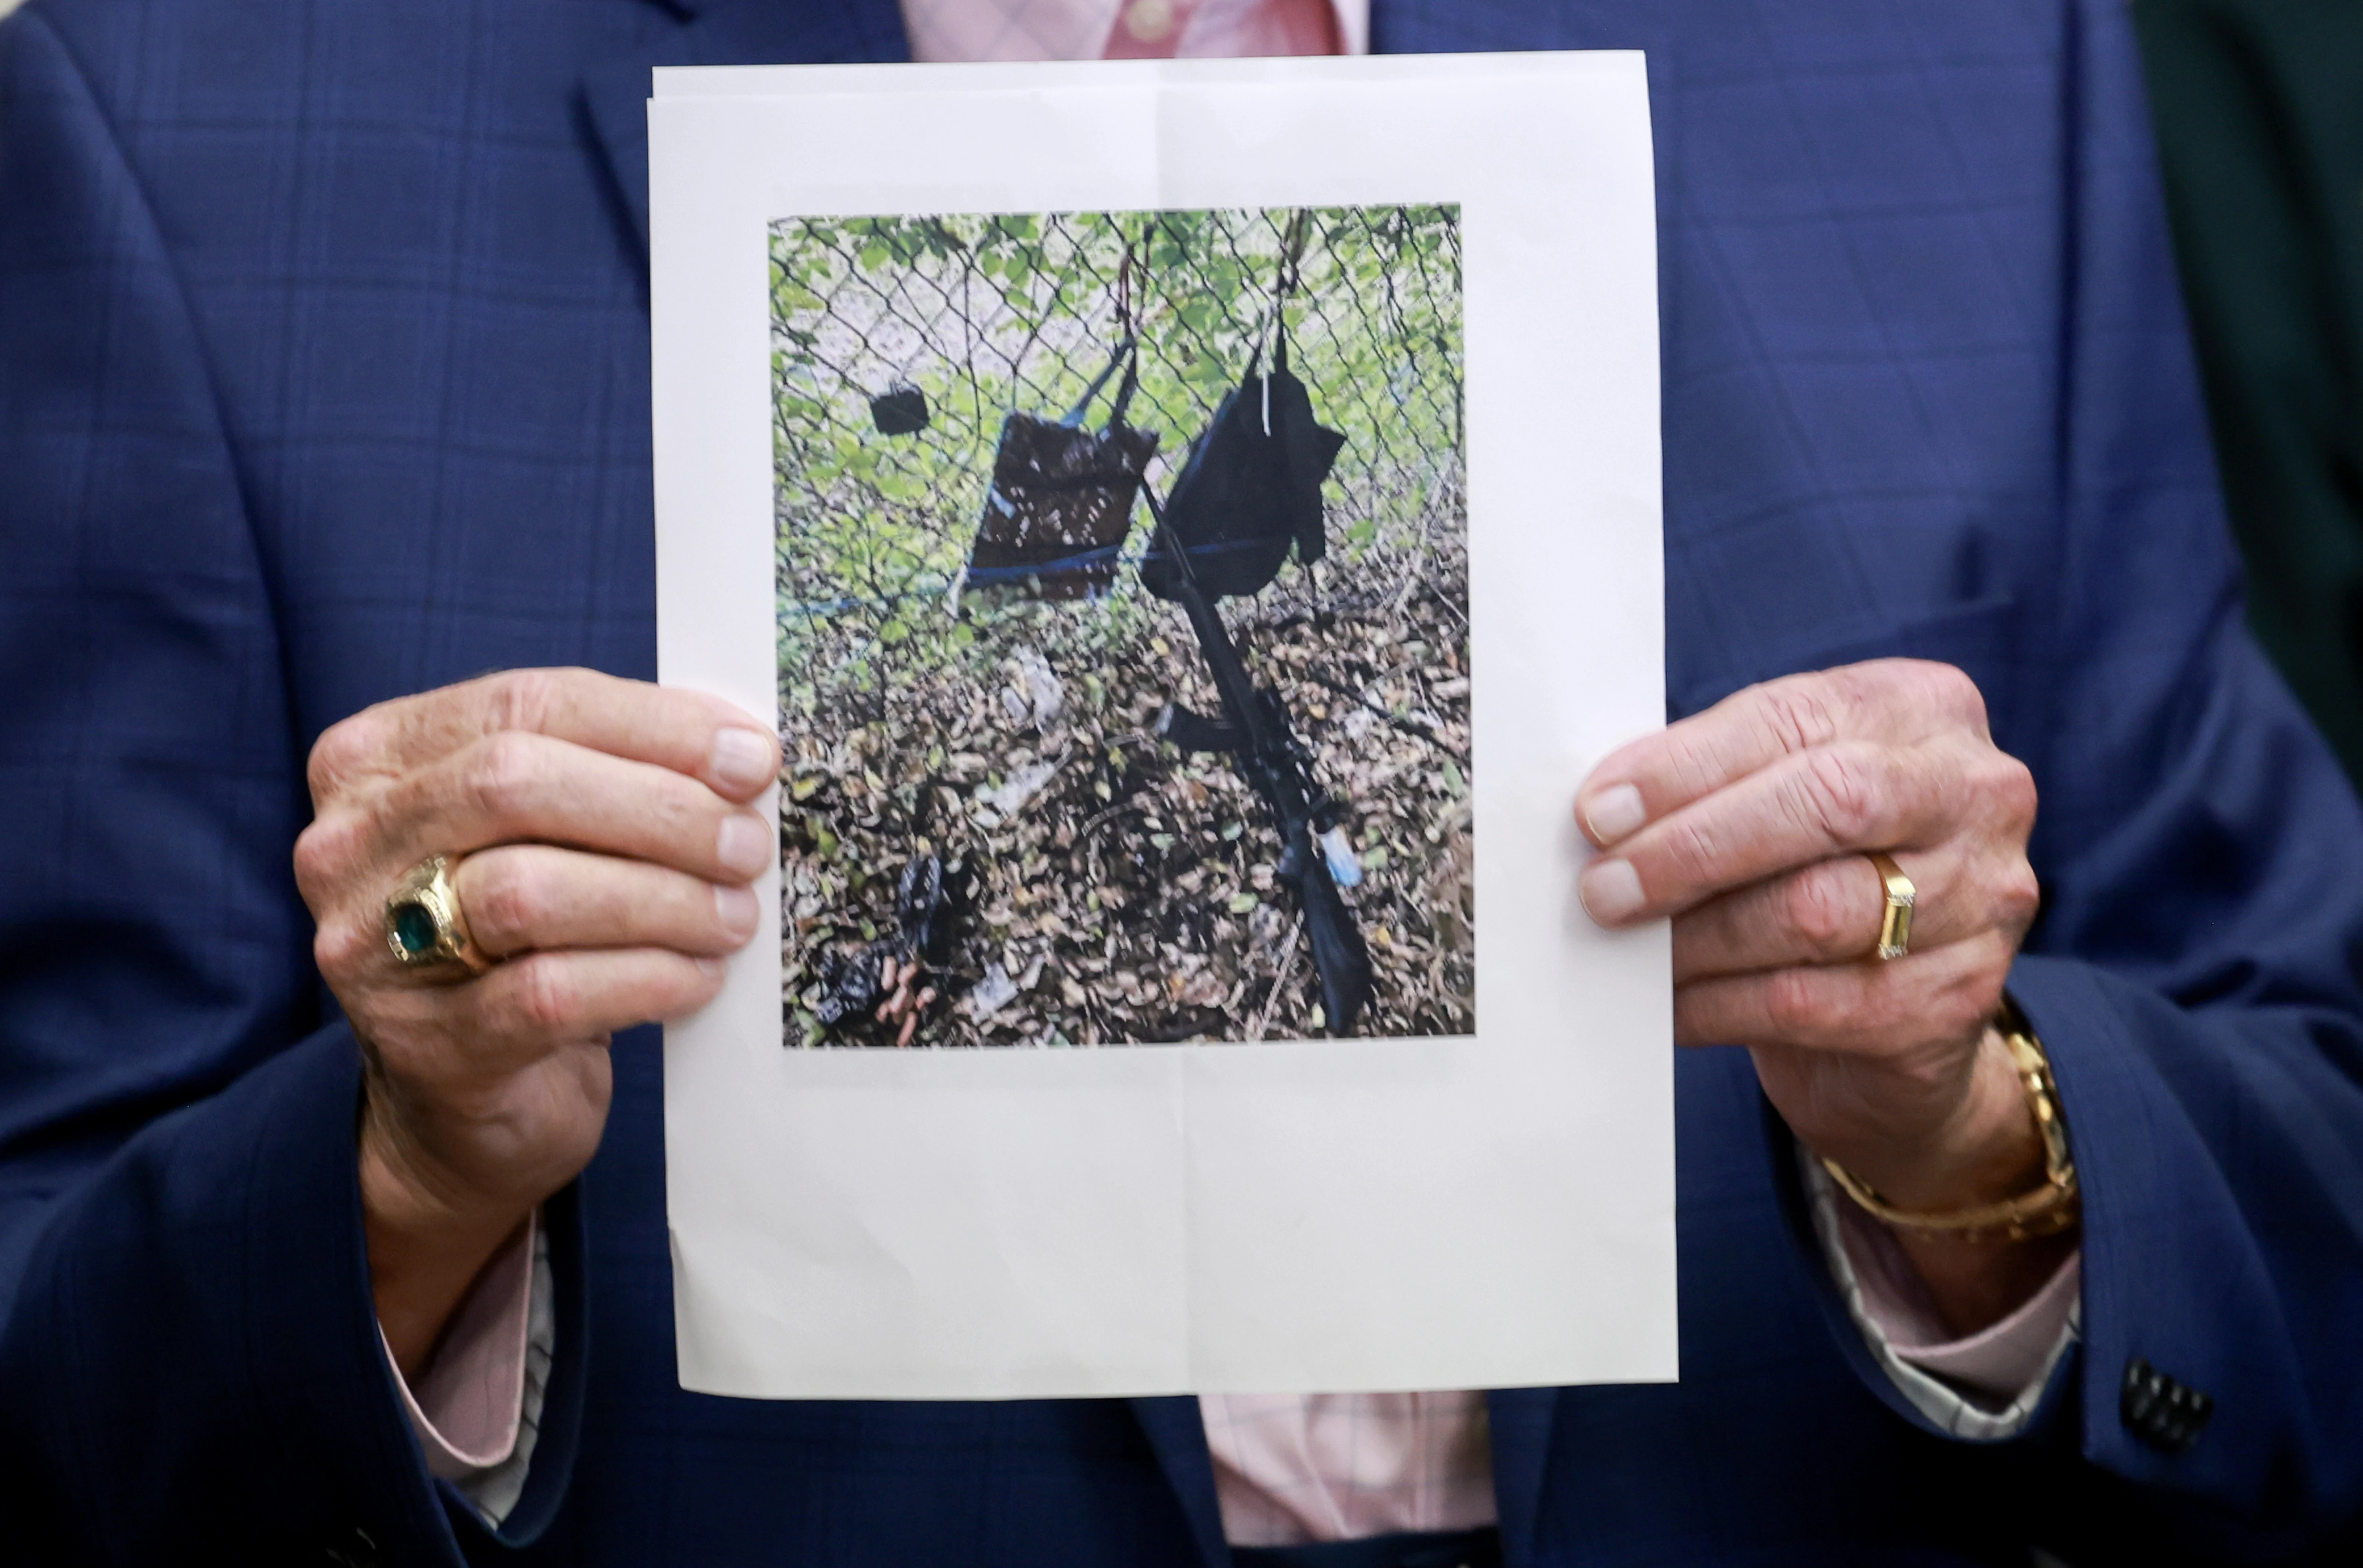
{"points": [[2160, 1411]]}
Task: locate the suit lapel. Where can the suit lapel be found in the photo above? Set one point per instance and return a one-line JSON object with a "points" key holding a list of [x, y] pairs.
{"points": [[613, 93], [1178, 1432], [615, 104], [1520, 1420]]}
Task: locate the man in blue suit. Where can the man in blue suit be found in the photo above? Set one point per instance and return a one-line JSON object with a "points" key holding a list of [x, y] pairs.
{"points": [[323, 383]]}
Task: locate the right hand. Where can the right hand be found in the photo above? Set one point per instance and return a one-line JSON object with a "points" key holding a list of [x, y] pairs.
{"points": [[607, 851]]}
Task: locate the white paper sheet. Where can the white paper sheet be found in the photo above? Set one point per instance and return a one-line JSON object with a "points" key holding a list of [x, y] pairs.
{"points": [[1486, 1210]]}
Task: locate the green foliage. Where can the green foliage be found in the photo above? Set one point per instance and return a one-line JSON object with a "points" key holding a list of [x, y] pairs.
{"points": [[987, 314]]}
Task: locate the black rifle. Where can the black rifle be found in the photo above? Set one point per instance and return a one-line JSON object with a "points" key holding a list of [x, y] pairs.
{"points": [[1255, 732]]}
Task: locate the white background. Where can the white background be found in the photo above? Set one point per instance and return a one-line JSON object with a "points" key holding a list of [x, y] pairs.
{"points": [[1331, 1215]]}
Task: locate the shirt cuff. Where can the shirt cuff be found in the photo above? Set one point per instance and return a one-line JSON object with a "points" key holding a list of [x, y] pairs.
{"points": [[1983, 1387], [467, 1404]]}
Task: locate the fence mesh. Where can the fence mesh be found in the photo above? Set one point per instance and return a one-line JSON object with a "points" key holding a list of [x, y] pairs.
{"points": [[987, 315], [881, 671]]}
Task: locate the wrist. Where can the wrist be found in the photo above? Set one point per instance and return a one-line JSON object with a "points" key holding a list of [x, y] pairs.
{"points": [[1988, 1148], [1987, 1211], [425, 1245]]}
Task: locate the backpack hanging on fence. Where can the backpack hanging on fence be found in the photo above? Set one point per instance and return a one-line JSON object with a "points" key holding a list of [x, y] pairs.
{"points": [[1252, 487], [1060, 502]]}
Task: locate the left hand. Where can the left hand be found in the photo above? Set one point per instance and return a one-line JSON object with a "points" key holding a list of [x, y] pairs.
{"points": [[1747, 825]]}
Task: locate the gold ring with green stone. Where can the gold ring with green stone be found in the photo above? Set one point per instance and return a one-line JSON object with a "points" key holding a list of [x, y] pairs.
{"points": [[422, 922]]}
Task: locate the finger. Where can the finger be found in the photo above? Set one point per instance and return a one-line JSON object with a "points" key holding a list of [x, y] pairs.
{"points": [[1897, 700], [516, 1013], [487, 1030], [536, 898], [1845, 796], [688, 733], [514, 787], [1833, 911], [1829, 912], [1941, 994]]}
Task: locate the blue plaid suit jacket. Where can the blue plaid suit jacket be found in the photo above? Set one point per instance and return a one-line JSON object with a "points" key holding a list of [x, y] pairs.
{"points": [[324, 378]]}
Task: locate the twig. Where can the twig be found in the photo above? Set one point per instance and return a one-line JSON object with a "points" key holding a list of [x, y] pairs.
{"points": [[1279, 981], [1408, 726], [1093, 824]]}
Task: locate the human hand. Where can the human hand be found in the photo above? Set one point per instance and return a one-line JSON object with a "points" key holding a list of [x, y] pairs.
{"points": [[607, 851], [904, 1005], [1749, 826]]}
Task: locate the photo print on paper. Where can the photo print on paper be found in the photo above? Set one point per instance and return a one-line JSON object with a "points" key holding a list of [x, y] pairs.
{"points": [[1121, 579]]}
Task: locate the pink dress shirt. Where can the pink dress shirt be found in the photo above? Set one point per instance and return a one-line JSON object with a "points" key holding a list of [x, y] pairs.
{"points": [[1287, 1468], [1133, 29]]}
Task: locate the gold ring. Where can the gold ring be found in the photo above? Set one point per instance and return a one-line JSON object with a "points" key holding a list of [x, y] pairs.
{"points": [[422, 922], [1895, 920]]}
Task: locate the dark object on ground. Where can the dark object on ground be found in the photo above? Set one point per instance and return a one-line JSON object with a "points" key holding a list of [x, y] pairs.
{"points": [[1061, 505], [900, 410], [853, 984], [923, 908], [1252, 487]]}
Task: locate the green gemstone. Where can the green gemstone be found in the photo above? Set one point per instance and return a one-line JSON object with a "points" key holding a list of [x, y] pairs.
{"points": [[414, 927]]}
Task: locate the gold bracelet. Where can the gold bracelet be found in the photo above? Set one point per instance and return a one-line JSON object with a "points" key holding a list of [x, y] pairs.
{"points": [[2048, 1209]]}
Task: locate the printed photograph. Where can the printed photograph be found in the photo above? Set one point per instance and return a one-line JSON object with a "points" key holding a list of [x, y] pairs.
{"points": [[1122, 578]]}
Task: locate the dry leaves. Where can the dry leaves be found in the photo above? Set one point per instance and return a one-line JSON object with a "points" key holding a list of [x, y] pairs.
{"points": [[1109, 888]]}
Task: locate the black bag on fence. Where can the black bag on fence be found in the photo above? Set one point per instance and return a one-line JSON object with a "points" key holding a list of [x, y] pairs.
{"points": [[900, 410], [1060, 502], [1251, 488]]}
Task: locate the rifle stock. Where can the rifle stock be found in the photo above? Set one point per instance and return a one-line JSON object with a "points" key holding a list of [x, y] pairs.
{"points": [[1339, 956]]}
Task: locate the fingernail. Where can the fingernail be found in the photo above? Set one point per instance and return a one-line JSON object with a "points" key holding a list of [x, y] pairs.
{"points": [[1614, 813], [738, 907], [714, 968], [1610, 890], [744, 844], [742, 759]]}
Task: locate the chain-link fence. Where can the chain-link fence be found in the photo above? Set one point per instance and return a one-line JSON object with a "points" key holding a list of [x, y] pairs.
{"points": [[984, 316], [1017, 742]]}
